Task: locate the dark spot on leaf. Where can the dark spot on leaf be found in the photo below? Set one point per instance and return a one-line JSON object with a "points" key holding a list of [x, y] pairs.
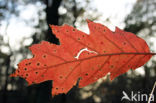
{"points": [[18, 71], [54, 51], [25, 68], [73, 29], [100, 69], [26, 74], [124, 43], [44, 56], [45, 65], [57, 31], [111, 66], [104, 30], [83, 36], [33, 56], [67, 31], [26, 64], [29, 63], [42, 75], [61, 77], [86, 74], [38, 64], [36, 72], [104, 51], [56, 88], [78, 38], [62, 88]]}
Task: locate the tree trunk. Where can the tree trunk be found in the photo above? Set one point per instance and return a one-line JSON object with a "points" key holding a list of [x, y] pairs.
{"points": [[52, 17], [5, 91]]}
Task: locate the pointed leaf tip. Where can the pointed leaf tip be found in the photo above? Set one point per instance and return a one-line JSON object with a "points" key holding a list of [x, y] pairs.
{"points": [[88, 21], [12, 75], [50, 25], [117, 29]]}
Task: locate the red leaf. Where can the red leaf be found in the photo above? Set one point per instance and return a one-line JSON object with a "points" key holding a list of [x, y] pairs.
{"points": [[114, 52]]}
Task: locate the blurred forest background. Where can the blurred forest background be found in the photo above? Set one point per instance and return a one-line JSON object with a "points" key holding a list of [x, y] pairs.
{"points": [[141, 20]]}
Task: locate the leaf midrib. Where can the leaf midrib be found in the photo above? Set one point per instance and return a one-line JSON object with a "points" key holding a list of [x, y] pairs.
{"points": [[98, 55]]}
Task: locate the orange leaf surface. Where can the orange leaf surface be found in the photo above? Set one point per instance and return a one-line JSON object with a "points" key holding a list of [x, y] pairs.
{"points": [[108, 52]]}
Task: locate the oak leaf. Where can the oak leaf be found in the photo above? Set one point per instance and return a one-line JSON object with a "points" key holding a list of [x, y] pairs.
{"points": [[107, 52]]}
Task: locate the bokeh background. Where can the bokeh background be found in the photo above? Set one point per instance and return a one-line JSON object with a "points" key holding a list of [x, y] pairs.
{"points": [[25, 22]]}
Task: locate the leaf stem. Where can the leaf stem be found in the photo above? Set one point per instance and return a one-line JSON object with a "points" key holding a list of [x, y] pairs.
{"points": [[149, 100]]}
